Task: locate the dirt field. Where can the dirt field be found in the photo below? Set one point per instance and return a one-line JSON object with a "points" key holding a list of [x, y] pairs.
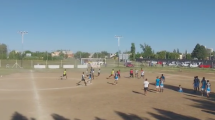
{"points": [[32, 95]]}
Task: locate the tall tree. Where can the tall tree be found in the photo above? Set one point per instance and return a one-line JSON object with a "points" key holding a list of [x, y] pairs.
{"points": [[161, 55], [147, 50], [195, 52], [3, 51], [199, 52], [178, 51], [133, 51]]}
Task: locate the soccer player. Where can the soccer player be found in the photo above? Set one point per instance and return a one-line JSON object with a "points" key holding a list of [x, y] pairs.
{"points": [[99, 72], [208, 88], [162, 77], [82, 80], [142, 73], [157, 83], [204, 85], [90, 78], [131, 73], [92, 73], [64, 74], [146, 86], [112, 73], [119, 73], [195, 83], [198, 82], [180, 89], [136, 73], [161, 84], [116, 78]]}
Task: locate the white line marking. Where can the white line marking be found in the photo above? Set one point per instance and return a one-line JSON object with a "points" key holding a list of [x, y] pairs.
{"points": [[36, 97]]}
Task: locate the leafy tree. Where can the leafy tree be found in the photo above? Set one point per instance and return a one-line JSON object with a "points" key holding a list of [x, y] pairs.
{"points": [[132, 51], [147, 50], [188, 57], [3, 51], [80, 54], [14, 55], [161, 55], [199, 52], [178, 51]]}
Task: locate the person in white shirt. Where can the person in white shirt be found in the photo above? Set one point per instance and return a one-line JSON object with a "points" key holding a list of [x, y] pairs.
{"points": [[142, 73], [99, 71], [146, 86], [136, 73], [82, 80]]}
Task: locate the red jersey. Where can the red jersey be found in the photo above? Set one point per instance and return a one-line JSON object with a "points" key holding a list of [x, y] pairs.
{"points": [[131, 71]]}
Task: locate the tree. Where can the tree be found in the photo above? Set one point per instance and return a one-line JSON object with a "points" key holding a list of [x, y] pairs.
{"points": [[178, 51], [188, 57], [132, 51], [147, 50], [199, 52], [161, 55], [80, 54], [3, 51], [14, 55]]}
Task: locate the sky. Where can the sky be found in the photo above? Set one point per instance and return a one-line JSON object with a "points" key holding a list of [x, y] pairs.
{"points": [[90, 25]]}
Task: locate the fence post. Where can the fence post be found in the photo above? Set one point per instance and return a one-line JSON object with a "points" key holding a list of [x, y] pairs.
{"points": [[31, 64], [61, 63], [46, 64], [0, 63]]}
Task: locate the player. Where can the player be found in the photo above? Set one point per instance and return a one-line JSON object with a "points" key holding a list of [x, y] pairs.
{"points": [[203, 86], [112, 73], [198, 82], [131, 73], [119, 74], [208, 88], [161, 84], [142, 73], [157, 83], [162, 77], [116, 78], [90, 78], [180, 89], [136, 73], [82, 80], [146, 86], [92, 73], [64, 74], [99, 72], [195, 83]]}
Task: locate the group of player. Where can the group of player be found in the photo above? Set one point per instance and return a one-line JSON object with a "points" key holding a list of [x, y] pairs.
{"points": [[205, 86], [90, 75], [159, 82]]}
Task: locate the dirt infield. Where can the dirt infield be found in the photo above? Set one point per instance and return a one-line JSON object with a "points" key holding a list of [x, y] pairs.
{"points": [[43, 96]]}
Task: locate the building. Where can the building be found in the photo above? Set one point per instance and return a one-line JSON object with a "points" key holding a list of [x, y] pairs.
{"points": [[68, 53]]}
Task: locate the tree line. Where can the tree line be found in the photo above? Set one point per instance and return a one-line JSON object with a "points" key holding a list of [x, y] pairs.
{"points": [[199, 52]]}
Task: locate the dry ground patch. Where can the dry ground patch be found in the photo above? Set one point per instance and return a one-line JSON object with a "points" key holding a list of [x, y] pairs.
{"points": [[43, 96]]}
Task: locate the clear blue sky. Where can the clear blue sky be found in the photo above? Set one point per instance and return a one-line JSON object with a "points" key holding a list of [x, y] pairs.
{"points": [[90, 25]]}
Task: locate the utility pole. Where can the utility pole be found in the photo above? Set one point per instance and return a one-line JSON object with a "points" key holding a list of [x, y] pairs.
{"points": [[22, 33], [118, 37]]}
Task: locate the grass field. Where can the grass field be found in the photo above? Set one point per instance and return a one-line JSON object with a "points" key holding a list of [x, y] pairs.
{"points": [[41, 95]]}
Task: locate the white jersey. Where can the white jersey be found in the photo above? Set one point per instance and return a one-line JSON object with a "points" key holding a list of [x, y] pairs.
{"points": [[142, 72], [136, 71], [146, 84], [82, 76], [99, 71]]}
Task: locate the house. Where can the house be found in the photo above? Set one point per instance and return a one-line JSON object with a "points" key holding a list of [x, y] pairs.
{"points": [[68, 53]]}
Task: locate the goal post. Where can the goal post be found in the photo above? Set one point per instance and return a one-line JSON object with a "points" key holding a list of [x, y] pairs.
{"points": [[93, 62]]}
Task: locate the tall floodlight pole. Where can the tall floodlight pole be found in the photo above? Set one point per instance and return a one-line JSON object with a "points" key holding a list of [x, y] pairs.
{"points": [[118, 37], [22, 33]]}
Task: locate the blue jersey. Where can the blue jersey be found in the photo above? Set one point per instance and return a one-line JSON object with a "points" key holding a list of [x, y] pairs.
{"points": [[208, 87], [204, 83], [162, 77], [116, 75], [161, 82], [157, 82]]}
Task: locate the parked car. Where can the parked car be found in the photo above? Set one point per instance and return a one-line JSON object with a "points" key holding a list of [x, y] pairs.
{"points": [[129, 65]]}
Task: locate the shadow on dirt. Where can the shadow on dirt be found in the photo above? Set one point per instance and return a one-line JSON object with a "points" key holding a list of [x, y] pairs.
{"points": [[18, 116], [205, 104], [169, 115]]}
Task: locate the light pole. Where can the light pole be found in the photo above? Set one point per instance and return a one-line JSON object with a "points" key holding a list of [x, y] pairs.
{"points": [[22, 33], [118, 37]]}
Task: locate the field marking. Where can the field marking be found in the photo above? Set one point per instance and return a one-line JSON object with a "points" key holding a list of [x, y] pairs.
{"points": [[36, 96], [37, 78], [45, 89]]}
